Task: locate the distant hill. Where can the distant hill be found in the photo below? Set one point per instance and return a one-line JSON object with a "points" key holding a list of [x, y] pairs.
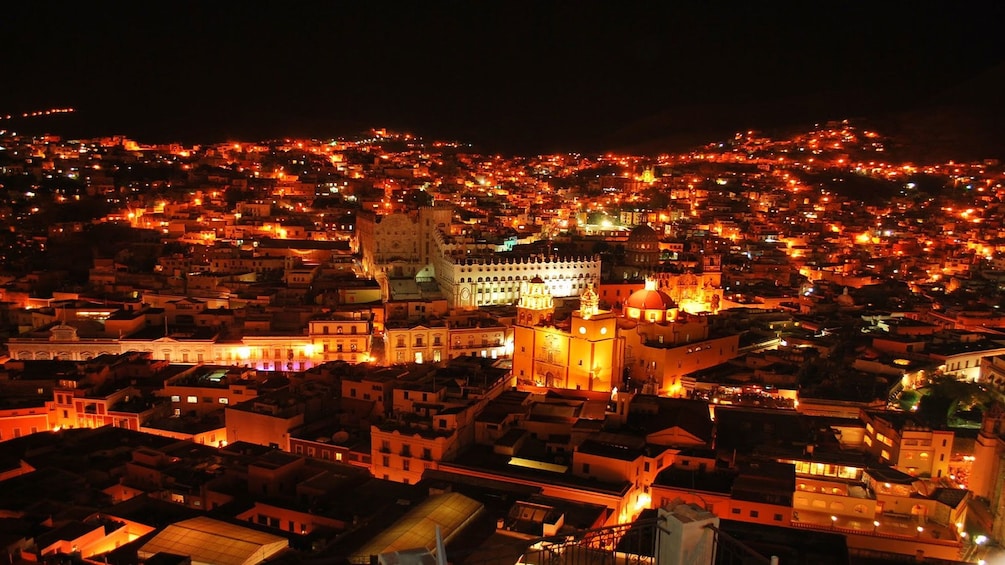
{"points": [[963, 121]]}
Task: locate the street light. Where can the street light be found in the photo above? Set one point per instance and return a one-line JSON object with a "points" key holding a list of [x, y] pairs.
{"points": [[875, 525], [920, 529], [834, 520]]}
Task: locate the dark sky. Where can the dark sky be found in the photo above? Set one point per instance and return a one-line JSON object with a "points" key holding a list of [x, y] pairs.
{"points": [[520, 76]]}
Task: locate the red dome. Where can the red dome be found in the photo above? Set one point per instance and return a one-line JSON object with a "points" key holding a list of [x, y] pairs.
{"points": [[647, 299]]}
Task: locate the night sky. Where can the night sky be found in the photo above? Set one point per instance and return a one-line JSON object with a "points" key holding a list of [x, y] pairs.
{"points": [[509, 76]]}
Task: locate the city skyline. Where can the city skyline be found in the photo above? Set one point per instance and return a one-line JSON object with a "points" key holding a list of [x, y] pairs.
{"points": [[501, 283]]}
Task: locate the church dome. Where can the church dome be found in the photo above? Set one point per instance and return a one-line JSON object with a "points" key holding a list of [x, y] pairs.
{"points": [[650, 298], [651, 304], [643, 233]]}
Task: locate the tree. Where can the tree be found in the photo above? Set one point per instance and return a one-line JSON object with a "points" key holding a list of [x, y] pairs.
{"points": [[945, 395]]}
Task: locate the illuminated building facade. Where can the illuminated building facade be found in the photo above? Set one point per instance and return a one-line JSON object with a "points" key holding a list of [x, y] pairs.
{"points": [[483, 281], [399, 245], [340, 338], [582, 352], [415, 342], [336, 338], [895, 438], [661, 345], [402, 453], [987, 476], [441, 339]]}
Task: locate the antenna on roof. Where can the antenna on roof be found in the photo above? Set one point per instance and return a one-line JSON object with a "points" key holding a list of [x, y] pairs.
{"points": [[441, 552]]}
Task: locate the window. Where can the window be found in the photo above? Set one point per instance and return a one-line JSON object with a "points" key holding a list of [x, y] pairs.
{"points": [[386, 461], [778, 517], [176, 398], [586, 467], [754, 514], [192, 399], [734, 511], [405, 464], [224, 400]]}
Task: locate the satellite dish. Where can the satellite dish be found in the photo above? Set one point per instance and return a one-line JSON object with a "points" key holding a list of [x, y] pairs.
{"points": [[340, 436]]}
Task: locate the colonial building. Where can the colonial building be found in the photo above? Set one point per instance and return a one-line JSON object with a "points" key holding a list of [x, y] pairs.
{"points": [[902, 441], [341, 337], [579, 352], [661, 345], [485, 280], [987, 476], [336, 337], [399, 245]]}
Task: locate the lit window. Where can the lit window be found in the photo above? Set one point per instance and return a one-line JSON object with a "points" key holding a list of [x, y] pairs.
{"points": [[175, 398], [224, 400], [192, 399]]}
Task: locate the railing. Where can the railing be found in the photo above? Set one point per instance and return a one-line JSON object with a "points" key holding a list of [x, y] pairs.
{"points": [[638, 543]]}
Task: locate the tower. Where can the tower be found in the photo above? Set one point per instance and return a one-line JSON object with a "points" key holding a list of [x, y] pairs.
{"points": [[535, 303], [988, 451], [589, 303], [580, 352]]}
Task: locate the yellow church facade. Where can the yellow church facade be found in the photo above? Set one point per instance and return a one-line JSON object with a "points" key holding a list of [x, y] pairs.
{"points": [[581, 352]]}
